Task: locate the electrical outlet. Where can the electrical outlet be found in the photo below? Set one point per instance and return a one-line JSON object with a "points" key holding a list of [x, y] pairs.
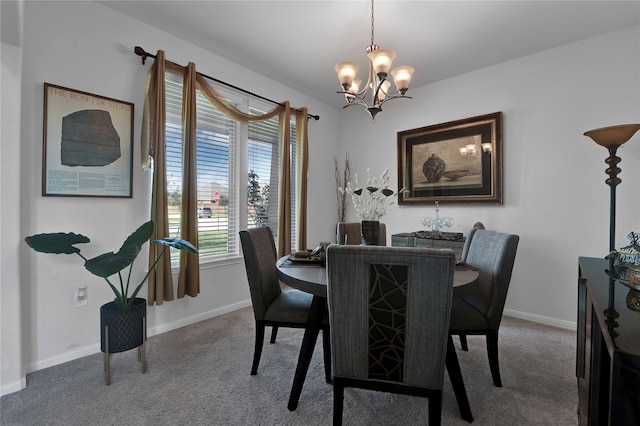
{"points": [[80, 297]]}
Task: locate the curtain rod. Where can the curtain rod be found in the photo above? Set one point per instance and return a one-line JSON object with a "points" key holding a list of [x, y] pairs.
{"points": [[144, 54]]}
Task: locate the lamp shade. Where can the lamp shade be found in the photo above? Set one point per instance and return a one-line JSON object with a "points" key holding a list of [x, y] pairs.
{"points": [[346, 72], [382, 59], [613, 135], [402, 77], [355, 86], [384, 90]]}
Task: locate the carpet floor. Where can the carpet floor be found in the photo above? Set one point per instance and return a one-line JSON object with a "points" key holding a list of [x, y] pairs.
{"points": [[199, 375]]}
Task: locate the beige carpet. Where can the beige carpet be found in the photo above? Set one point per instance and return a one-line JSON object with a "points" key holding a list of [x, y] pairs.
{"points": [[199, 375]]}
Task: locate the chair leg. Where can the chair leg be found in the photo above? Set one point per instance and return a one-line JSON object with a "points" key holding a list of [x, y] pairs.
{"points": [[457, 383], [435, 409], [257, 351], [274, 333], [338, 404], [326, 346], [492, 353], [463, 342]]}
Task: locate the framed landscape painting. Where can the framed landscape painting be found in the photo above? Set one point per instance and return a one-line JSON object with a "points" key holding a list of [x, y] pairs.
{"points": [[455, 162], [88, 144]]}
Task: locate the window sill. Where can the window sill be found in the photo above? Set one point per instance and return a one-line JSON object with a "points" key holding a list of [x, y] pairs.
{"points": [[212, 262]]}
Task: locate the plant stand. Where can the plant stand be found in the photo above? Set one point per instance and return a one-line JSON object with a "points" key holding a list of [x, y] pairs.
{"points": [[122, 330]]}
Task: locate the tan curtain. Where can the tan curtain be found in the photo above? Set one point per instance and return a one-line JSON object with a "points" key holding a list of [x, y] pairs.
{"points": [[160, 284], [153, 145], [302, 154], [284, 187], [189, 275]]}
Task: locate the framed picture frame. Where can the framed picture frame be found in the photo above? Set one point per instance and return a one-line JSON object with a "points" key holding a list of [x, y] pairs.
{"points": [[87, 144], [455, 162]]}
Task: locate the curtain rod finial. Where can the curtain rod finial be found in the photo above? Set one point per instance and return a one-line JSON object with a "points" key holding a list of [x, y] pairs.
{"points": [[141, 52]]}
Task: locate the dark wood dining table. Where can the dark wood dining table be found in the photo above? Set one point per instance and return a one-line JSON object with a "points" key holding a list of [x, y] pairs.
{"points": [[312, 278]]}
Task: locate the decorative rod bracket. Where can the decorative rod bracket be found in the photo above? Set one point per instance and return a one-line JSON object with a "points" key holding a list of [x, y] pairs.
{"points": [[141, 52]]}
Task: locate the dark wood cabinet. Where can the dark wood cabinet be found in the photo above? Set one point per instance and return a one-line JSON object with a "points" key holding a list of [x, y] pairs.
{"points": [[608, 349]]}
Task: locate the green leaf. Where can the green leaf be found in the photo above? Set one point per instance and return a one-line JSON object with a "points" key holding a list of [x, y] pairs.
{"points": [[56, 243], [177, 243], [111, 263], [139, 236]]}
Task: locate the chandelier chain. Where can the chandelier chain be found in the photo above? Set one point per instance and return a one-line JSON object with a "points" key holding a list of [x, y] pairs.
{"points": [[371, 22]]}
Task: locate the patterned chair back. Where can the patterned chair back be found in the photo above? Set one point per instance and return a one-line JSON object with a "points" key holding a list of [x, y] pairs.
{"points": [[389, 311]]}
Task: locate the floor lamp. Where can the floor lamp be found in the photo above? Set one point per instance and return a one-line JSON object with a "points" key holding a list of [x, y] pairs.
{"points": [[611, 138]]}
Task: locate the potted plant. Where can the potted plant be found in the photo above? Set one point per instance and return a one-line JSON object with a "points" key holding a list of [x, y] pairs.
{"points": [[122, 321], [370, 202]]}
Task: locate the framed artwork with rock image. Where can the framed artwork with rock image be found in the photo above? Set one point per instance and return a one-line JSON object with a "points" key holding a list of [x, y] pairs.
{"points": [[88, 144], [454, 162]]}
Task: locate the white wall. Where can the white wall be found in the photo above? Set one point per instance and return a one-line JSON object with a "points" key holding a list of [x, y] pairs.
{"points": [[555, 197], [12, 367], [70, 44]]}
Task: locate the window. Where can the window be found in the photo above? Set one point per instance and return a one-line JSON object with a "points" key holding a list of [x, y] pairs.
{"points": [[224, 178], [262, 176]]}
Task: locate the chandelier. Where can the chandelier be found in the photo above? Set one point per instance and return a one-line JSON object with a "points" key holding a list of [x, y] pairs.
{"points": [[377, 86]]}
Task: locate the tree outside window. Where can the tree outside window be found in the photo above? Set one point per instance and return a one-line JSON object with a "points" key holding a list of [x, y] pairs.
{"points": [[258, 199]]}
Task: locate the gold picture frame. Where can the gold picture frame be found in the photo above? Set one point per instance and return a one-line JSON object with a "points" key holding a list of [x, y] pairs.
{"points": [[454, 162], [87, 144]]}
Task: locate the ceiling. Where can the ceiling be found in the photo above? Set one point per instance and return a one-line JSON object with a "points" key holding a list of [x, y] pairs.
{"points": [[298, 43]]}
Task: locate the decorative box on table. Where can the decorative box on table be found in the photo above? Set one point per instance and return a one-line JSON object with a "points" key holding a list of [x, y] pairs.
{"points": [[431, 239]]}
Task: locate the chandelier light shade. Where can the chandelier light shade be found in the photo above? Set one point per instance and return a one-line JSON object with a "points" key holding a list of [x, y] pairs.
{"points": [[346, 73], [402, 78], [377, 88], [381, 60]]}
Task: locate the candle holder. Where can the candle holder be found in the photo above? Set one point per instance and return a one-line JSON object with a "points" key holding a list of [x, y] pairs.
{"points": [[436, 223]]}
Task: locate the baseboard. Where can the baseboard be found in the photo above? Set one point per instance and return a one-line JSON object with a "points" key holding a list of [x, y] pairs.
{"points": [[13, 387], [92, 349], [569, 325], [66, 357], [183, 322]]}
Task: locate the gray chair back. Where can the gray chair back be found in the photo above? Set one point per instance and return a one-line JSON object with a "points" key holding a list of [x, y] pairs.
{"points": [[353, 231], [389, 311], [493, 253], [259, 251]]}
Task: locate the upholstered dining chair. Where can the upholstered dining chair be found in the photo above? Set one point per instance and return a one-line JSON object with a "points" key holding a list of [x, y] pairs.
{"points": [[389, 313], [353, 231], [272, 306], [478, 310]]}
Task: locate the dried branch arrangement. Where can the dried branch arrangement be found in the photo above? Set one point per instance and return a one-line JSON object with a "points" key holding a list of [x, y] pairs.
{"points": [[341, 183]]}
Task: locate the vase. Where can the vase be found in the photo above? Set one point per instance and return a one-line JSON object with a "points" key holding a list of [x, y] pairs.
{"points": [[433, 168], [122, 330], [370, 232]]}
